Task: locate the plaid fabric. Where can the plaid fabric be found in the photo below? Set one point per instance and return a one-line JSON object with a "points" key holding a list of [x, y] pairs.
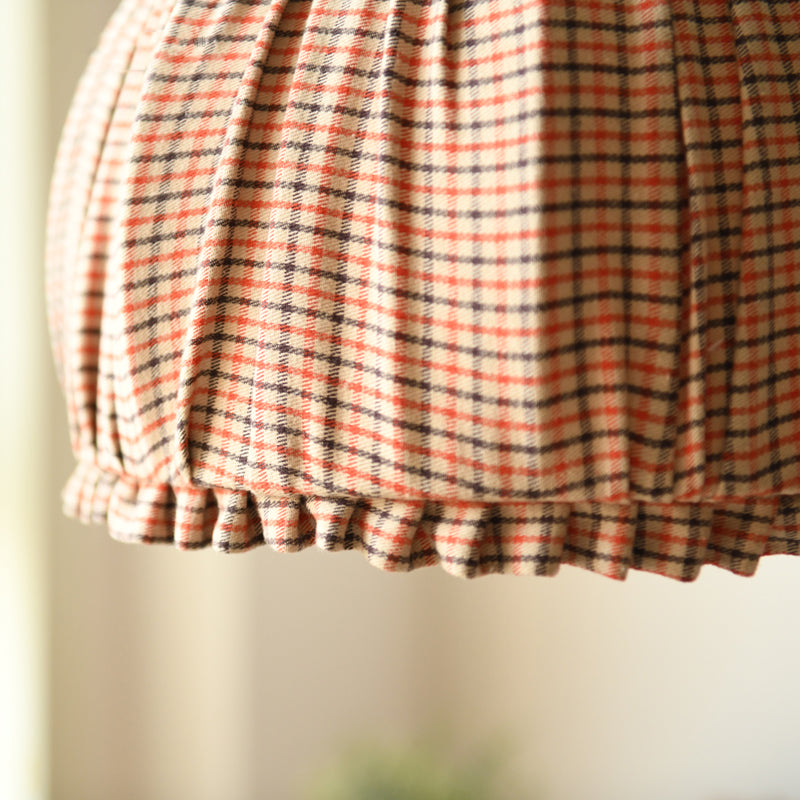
{"points": [[493, 284]]}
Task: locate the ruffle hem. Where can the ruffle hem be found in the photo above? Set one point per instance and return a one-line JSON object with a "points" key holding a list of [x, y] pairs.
{"points": [[467, 539]]}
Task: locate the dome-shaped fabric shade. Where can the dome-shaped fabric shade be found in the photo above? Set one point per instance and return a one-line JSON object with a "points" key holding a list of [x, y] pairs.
{"points": [[493, 284]]}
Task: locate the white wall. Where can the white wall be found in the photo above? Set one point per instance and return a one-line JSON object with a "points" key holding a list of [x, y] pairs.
{"points": [[199, 676]]}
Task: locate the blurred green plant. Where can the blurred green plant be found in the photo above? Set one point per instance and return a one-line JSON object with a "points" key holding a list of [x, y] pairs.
{"points": [[428, 769]]}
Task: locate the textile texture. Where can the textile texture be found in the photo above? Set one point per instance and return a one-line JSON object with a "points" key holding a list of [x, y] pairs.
{"points": [[493, 284]]}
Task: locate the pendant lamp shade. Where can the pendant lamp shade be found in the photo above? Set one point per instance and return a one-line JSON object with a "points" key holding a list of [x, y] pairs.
{"points": [[492, 284]]}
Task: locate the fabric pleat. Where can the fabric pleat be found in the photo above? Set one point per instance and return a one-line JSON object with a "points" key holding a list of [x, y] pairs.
{"points": [[495, 285]]}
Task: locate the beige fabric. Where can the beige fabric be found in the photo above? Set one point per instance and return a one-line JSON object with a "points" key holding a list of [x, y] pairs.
{"points": [[494, 284]]}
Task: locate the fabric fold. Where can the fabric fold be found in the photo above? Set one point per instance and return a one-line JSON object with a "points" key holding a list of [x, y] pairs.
{"points": [[466, 539]]}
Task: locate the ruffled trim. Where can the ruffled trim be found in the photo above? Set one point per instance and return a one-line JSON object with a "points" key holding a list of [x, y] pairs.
{"points": [[467, 539]]}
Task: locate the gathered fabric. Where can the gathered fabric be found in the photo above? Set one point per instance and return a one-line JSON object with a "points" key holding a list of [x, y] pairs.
{"points": [[492, 284]]}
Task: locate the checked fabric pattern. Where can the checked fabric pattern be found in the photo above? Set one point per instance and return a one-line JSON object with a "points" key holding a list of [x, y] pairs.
{"points": [[493, 284]]}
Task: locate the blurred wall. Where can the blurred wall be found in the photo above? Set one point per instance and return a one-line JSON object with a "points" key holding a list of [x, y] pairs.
{"points": [[201, 676]]}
